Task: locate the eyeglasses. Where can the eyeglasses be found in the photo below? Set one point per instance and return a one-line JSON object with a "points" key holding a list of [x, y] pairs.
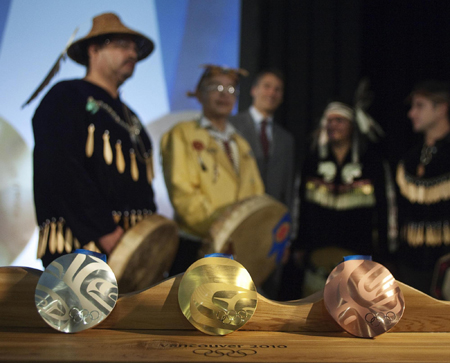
{"points": [[221, 89], [123, 43]]}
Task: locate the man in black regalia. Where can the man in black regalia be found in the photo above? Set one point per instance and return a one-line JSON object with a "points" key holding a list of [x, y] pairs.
{"points": [[92, 158], [423, 178]]}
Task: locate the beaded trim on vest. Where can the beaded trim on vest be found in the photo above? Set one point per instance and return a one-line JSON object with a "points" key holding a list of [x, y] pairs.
{"points": [[59, 238], [423, 190], [359, 194], [431, 234]]}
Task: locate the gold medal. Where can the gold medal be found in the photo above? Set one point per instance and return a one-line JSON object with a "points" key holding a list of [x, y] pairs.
{"points": [[217, 295]]}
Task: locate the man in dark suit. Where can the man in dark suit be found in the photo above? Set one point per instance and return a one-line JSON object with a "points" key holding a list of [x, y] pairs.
{"points": [[272, 145]]}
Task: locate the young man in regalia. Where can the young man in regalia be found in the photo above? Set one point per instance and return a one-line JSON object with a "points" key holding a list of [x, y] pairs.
{"points": [[423, 178]]}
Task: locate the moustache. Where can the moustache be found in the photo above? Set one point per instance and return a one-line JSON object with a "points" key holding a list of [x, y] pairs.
{"points": [[130, 60]]}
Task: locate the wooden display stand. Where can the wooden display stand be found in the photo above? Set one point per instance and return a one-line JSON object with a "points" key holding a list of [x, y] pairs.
{"points": [[148, 326]]}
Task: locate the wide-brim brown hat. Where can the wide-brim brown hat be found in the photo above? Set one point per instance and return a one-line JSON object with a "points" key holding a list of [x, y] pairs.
{"points": [[103, 25]]}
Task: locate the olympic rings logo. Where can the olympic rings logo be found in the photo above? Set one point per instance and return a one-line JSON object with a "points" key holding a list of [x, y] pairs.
{"points": [[217, 353], [83, 315], [375, 319], [232, 316]]}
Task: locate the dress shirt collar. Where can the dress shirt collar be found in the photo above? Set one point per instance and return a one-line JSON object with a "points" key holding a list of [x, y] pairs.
{"points": [[225, 135], [258, 116]]}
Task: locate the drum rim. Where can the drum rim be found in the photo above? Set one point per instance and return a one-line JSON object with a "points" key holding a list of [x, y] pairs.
{"points": [[248, 206], [129, 242]]}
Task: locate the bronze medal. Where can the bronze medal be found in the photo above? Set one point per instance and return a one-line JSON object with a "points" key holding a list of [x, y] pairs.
{"points": [[363, 297]]}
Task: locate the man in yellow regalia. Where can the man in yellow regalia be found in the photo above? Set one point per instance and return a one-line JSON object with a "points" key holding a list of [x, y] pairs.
{"points": [[207, 164]]}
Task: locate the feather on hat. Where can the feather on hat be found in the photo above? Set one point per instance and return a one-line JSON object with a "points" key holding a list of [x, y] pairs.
{"points": [[102, 25]]}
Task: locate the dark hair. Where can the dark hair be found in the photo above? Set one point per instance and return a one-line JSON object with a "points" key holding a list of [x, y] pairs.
{"points": [[276, 72], [99, 40], [436, 91]]}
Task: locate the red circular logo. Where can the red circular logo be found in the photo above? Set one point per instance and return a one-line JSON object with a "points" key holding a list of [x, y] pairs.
{"points": [[282, 232], [198, 145]]}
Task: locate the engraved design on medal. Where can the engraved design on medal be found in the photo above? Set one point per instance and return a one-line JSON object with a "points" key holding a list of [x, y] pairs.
{"points": [[217, 295], [363, 297], [229, 304], [76, 292], [83, 316]]}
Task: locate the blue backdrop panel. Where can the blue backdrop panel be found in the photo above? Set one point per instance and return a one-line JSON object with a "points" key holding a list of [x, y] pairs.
{"points": [[195, 32], [4, 9]]}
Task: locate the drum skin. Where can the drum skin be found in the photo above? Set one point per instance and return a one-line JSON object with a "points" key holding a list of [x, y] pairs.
{"points": [[145, 253], [246, 230], [18, 221]]}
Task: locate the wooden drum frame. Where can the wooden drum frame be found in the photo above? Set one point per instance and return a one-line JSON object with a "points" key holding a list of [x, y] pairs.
{"points": [[245, 229], [145, 253]]}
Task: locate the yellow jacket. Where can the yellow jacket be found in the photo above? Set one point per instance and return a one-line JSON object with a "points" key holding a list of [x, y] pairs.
{"points": [[200, 178]]}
